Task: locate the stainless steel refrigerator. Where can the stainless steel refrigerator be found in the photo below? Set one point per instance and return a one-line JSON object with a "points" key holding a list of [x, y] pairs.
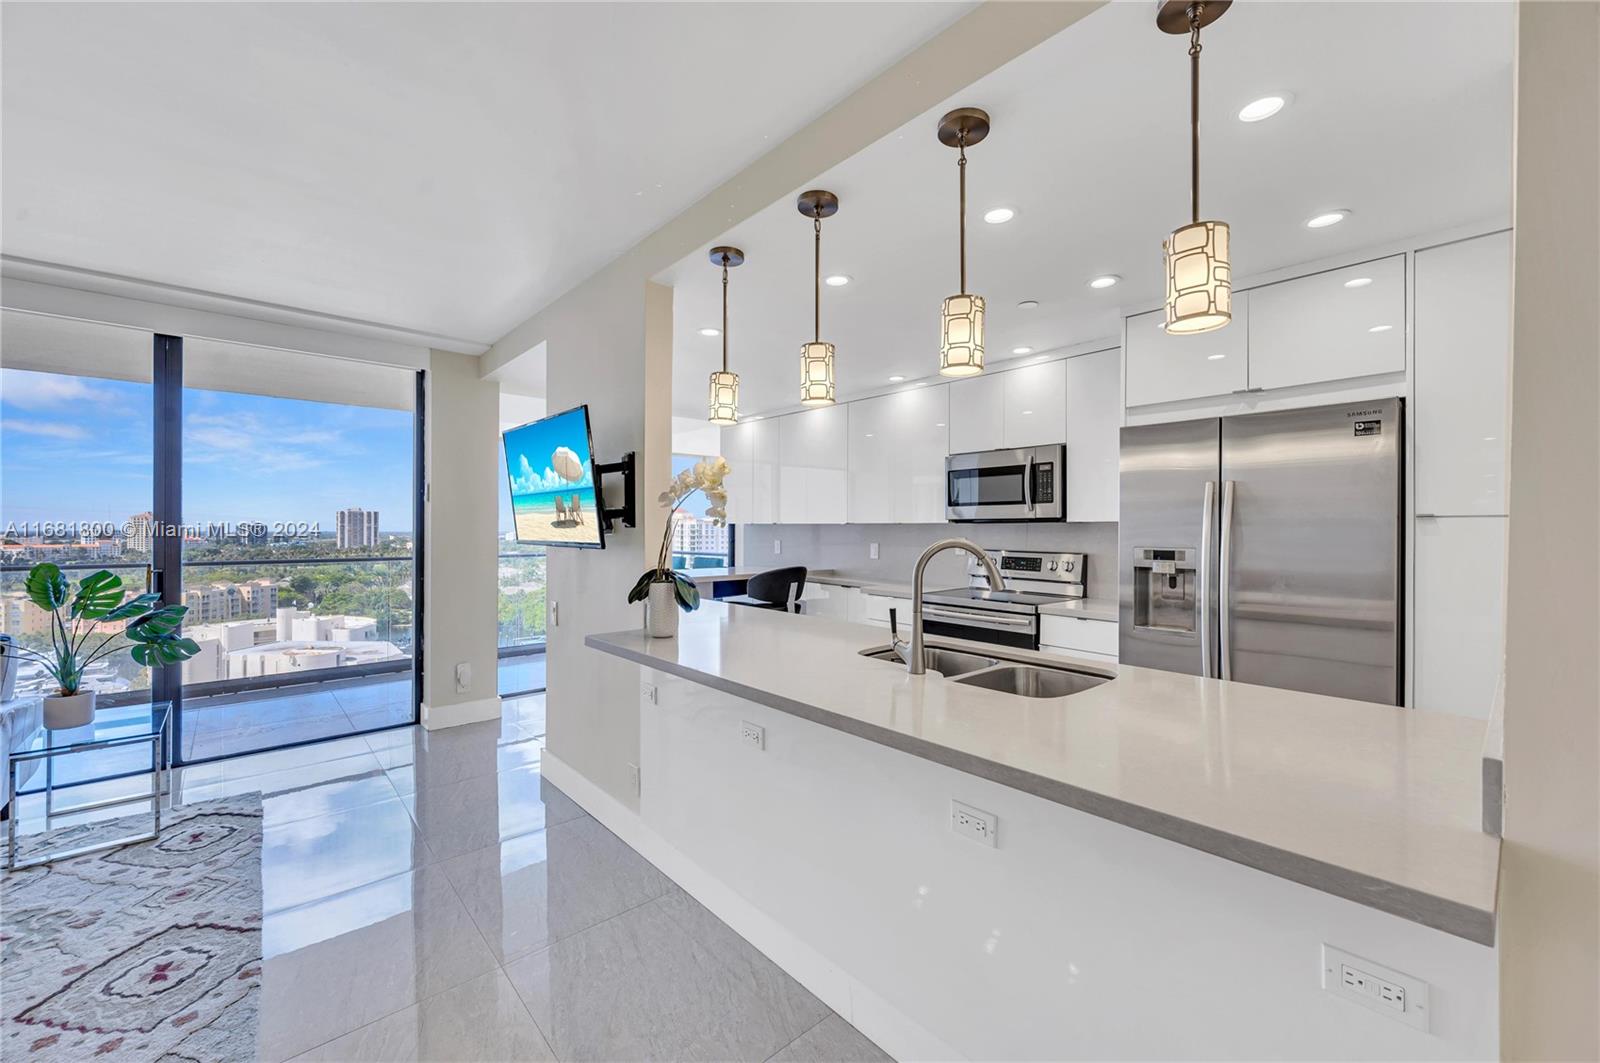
{"points": [[1268, 548]]}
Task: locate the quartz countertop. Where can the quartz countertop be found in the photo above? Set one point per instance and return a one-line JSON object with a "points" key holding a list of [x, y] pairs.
{"points": [[1376, 804]]}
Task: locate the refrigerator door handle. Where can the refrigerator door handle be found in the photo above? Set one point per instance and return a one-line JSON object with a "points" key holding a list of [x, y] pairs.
{"points": [[1225, 581], [1208, 518]]}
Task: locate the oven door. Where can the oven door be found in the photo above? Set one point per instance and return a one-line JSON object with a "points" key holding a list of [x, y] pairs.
{"points": [[1023, 484], [982, 625]]}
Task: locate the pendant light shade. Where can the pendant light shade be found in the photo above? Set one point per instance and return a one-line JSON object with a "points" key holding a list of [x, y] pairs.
{"points": [[816, 357], [724, 397], [961, 326], [1199, 270]]}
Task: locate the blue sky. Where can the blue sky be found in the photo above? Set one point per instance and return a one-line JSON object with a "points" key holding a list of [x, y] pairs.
{"points": [[530, 450], [79, 449]]}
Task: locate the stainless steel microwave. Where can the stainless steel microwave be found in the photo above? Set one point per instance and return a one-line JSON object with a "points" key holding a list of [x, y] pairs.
{"points": [[1029, 483]]}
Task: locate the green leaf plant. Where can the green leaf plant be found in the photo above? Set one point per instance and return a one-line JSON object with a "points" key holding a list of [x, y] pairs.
{"points": [[706, 476], [152, 630]]}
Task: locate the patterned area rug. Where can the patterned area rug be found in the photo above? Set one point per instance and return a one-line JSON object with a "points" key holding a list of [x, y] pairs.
{"points": [[149, 951]]}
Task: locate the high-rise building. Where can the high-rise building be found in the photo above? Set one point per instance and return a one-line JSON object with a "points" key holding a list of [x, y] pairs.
{"points": [[692, 535], [356, 527], [140, 532]]}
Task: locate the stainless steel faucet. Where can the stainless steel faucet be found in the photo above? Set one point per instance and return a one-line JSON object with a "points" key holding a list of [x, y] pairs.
{"points": [[912, 652]]}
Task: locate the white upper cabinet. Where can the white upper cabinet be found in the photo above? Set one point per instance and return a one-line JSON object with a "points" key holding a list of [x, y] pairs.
{"points": [[1035, 404], [977, 413], [1336, 325], [1168, 368], [812, 449], [1462, 352], [1094, 423], [738, 446], [898, 444]]}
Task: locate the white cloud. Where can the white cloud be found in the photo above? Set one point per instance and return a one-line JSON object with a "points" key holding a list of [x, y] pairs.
{"points": [[525, 481], [40, 391], [50, 429]]}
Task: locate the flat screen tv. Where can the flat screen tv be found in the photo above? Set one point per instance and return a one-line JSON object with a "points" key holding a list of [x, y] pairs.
{"points": [[554, 498]]}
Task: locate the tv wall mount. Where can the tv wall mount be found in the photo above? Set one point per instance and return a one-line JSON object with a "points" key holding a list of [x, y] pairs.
{"points": [[624, 512]]}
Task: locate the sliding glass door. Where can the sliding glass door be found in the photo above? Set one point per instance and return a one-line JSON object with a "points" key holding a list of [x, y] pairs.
{"points": [[274, 493]]}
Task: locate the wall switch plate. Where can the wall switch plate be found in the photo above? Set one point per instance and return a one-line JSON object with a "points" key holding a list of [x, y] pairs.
{"points": [[649, 693], [463, 677], [872, 551], [752, 734], [1374, 986], [555, 614], [777, 547], [982, 827], [633, 777]]}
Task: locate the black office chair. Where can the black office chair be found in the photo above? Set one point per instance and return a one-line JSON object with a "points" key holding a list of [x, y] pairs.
{"points": [[778, 588]]}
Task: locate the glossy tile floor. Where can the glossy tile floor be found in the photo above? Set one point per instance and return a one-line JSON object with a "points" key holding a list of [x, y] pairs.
{"points": [[429, 896]]}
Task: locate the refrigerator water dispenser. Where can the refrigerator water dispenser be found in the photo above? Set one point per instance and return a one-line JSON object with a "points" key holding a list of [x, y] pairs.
{"points": [[1165, 585]]}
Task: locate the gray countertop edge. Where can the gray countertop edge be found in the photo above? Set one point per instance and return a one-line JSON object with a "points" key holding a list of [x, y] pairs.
{"points": [[1439, 913]]}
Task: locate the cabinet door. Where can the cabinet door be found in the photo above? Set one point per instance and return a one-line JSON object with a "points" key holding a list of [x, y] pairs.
{"points": [[869, 453], [738, 449], [1330, 326], [1036, 404], [977, 413], [1458, 648], [1094, 422], [764, 472], [1462, 349], [919, 441], [1165, 368], [812, 446]]}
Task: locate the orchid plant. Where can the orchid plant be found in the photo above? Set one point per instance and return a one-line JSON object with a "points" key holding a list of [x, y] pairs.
{"points": [[705, 477]]}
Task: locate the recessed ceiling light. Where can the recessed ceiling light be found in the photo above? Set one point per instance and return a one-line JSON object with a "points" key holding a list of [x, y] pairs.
{"points": [[999, 215], [1380, 328], [1215, 357], [1022, 350], [1358, 282], [710, 332], [896, 379], [1028, 304], [1265, 107], [1104, 282], [1322, 221], [837, 280]]}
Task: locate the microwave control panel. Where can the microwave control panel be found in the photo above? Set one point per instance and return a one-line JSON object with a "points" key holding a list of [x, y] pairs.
{"points": [[1044, 482]]}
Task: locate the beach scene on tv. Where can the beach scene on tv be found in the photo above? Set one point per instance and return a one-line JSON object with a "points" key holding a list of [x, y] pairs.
{"points": [[552, 481]]}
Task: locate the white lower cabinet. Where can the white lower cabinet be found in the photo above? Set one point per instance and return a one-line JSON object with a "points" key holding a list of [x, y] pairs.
{"points": [[829, 600], [1076, 636], [1458, 646], [875, 610]]}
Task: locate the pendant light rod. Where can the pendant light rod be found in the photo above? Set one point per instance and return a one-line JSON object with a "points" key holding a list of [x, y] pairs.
{"points": [[961, 168], [816, 205], [724, 313], [816, 281], [1195, 11]]}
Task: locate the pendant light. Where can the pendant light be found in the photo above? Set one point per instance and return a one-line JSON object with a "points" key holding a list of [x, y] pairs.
{"points": [[816, 357], [1199, 274], [724, 399], [961, 339]]}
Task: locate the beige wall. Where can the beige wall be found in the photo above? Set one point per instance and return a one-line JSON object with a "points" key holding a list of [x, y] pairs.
{"points": [[1550, 877], [461, 516], [608, 342]]}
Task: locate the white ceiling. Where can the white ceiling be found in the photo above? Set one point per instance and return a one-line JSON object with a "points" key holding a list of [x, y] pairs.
{"points": [[1401, 113], [438, 167]]}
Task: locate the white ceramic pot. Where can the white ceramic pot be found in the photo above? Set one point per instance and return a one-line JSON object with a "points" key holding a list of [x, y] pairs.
{"points": [[74, 710], [661, 611]]}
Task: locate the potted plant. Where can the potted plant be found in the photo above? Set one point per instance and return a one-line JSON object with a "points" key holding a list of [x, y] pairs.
{"points": [[151, 628], [663, 590]]}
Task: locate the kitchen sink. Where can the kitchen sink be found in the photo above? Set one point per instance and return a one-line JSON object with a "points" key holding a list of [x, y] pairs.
{"points": [[1031, 682], [947, 663]]}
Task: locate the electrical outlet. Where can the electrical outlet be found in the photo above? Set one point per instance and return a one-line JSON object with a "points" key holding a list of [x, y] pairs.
{"points": [[872, 551], [463, 677], [777, 547], [982, 827], [1373, 986], [649, 693], [753, 734]]}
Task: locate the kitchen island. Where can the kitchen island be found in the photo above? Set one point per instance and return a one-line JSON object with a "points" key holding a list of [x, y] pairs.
{"points": [[1370, 808]]}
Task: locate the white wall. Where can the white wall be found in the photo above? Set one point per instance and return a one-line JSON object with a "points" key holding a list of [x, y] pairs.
{"points": [[1550, 877], [1075, 938], [461, 517]]}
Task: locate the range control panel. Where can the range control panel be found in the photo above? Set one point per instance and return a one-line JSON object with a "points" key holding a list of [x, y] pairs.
{"points": [[1028, 568]]}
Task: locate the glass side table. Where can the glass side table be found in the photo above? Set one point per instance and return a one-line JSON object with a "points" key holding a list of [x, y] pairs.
{"points": [[112, 728]]}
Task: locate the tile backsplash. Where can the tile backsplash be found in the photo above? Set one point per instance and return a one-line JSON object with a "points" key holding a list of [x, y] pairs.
{"points": [[846, 548]]}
